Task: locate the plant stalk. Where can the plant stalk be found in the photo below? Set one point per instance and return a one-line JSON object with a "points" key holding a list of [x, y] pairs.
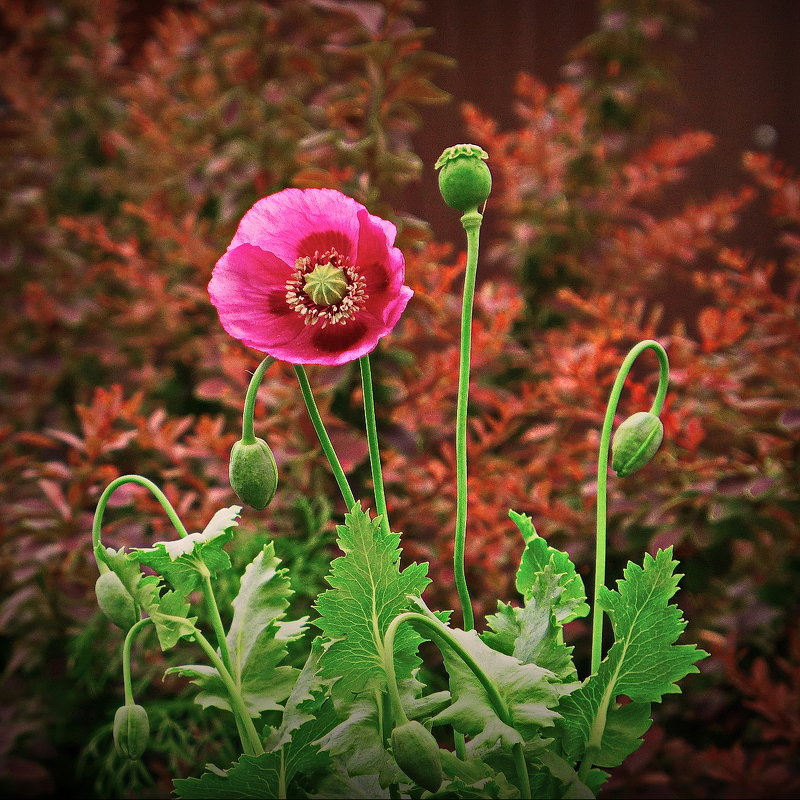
{"points": [[372, 440], [248, 436], [471, 222], [602, 478], [324, 439]]}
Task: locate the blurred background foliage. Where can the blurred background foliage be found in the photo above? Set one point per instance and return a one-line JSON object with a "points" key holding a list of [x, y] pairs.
{"points": [[134, 136]]}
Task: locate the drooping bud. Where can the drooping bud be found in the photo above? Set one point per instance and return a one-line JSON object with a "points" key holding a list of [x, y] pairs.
{"points": [[636, 442], [464, 180], [417, 754], [253, 473], [115, 601], [131, 731]]}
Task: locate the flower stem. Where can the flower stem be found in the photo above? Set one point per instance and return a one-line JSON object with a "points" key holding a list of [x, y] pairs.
{"points": [[471, 222], [441, 634], [213, 614], [372, 439], [324, 439], [97, 524], [602, 477], [126, 658], [248, 437], [251, 742]]}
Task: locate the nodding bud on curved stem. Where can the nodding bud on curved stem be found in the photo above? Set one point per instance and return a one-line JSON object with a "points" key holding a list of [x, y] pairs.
{"points": [[464, 180], [131, 730], [417, 753], [253, 473], [115, 600], [635, 442]]}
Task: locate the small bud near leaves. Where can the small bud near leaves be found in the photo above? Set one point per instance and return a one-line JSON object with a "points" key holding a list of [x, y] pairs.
{"points": [[417, 754], [464, 180], [115, 601], [131, 731], [253, 473], [636, 442]]}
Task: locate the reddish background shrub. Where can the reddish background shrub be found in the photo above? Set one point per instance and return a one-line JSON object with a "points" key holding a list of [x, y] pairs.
{"points": [[130, 158]]}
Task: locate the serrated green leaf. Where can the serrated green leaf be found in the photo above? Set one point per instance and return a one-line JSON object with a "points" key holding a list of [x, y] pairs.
{"points": [[306, 697], [368, 591], [558, 778], [258, 637], [249, 777], [168, 612], [340, 786], [625, 725], [126, 567], [535, 558], [472, 779], [257, 641], [181, 561], [643, 664], [419, 706], [167, 609], [530, 693], [213, 692], [356, 743], [533, 634], [260, 776]]}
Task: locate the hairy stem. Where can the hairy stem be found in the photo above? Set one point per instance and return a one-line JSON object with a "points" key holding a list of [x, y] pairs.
{"points": [[602, 477], [372, 440], [324, 439], [472, 224]]}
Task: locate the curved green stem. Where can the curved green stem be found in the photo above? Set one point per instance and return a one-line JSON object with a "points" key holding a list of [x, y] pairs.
{"points": [[251, 742], [126, 659], [602, 477], [97, 524], [441, 634], [248, 437], [372, 440], [472, 225], [324, 439]]}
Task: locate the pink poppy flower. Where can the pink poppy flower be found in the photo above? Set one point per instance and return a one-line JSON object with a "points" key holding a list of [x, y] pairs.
{"points": [[311, 277]]}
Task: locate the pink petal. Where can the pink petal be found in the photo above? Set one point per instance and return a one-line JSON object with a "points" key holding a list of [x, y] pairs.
{"points": [[381, 265], [385, 313], [332, 345], [252, 266], [395, 307], [248, 289], [297, 222]]}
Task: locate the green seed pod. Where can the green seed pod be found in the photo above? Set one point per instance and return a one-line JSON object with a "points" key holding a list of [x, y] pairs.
{"points": [[464, 180], [417, 754], [115, 601], [253, 473], [131, 731], [636, 442]]}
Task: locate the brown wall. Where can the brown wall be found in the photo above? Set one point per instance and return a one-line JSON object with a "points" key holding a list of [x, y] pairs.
{"points": [[741, 71]]}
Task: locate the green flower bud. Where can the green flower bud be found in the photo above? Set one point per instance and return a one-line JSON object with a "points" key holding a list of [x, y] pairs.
{"points": [[131, 731], [115, 601], [417, 754], [253, 473], [464, 180], [635, 442]]}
